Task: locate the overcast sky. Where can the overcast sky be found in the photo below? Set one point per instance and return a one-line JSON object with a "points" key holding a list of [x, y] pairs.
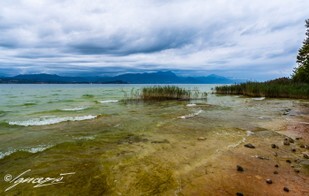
{"points": [[253, 39]]}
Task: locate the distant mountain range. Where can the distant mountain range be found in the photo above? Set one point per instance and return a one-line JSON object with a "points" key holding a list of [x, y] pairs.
{"points": [[161, 77]]}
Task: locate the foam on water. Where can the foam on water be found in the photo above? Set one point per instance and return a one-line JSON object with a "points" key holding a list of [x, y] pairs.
{"points": [[191, 115], [191, 105], [109, 101], [85, 138], [36, 149], [258, 98], [50, 121], [74, 109]]}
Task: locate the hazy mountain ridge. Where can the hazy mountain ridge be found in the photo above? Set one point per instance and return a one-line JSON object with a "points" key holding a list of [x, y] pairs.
{"points": [[161, 77]]}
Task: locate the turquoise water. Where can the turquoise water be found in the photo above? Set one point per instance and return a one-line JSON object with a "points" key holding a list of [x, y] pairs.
{"points": [[128, 148]]}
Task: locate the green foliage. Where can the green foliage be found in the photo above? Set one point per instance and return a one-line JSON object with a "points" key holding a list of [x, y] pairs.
{"points": [[278, 88], [301, 73]]}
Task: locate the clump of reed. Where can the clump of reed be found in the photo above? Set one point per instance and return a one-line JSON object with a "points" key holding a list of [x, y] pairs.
{"points": [[161, 93], [278, 88], [165, 93]]}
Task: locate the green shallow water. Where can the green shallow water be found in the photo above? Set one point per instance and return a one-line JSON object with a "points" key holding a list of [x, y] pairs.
{"points": [[122, 148]]}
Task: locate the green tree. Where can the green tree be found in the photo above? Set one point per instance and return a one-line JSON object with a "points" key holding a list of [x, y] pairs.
{"points": [[301, 73]]}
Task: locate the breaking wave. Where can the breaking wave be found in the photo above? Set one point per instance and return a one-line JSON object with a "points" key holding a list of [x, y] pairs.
{"points": [[50, 121], [74, 109], [191, 115], [258, 98], [36, 149], [109, 101]]}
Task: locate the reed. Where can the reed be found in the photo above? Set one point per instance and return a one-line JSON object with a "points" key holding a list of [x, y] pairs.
{"points": [[165, 93], [278, 88], [161, 93]]}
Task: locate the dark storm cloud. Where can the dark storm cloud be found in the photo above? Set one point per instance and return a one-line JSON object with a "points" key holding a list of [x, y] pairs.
{"points": [[78, 37]]}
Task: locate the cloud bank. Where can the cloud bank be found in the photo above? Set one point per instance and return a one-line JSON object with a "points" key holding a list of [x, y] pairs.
{"points": [[255, 39]]}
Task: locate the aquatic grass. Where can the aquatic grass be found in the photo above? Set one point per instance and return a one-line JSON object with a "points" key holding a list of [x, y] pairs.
{"points": [[161, 93], [278, 88], [165, 93]]}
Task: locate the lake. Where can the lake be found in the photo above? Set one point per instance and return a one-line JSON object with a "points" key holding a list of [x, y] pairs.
{"points": [[84, 139]]}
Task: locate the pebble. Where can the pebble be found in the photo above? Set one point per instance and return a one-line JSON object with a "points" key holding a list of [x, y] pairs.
{"points": [[306, 155], [269, 181], [286, 142], [260, 157], [240, 168], [276, 165], [289, 139], [239, 194], [288, 161], [293, 150], [286, 189], [249, 145], [274, 146], [298, 138], [201, 138], [297, 170], [302, 146], [275, 172]]}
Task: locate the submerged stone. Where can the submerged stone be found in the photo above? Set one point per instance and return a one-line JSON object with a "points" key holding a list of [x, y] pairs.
{"points": [[274, 146], [201, 138], [286, 142], [165, 141], [249, 145], [240, 168], [286, 189], [306, 155], [269, 181]]}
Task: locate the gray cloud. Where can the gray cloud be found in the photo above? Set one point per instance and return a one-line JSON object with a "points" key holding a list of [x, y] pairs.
{"points": [[236, 38]]}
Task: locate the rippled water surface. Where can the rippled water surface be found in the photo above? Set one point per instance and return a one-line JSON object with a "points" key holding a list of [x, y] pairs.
{"points": [[143, 148]]}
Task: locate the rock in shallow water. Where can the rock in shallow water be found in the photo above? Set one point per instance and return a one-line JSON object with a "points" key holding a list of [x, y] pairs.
{"points": [[286, 189], [306, 155], [274, 146], [249, 145], [286, 142], [165, 141], [240, 168], [201, 138], [269, 181]]}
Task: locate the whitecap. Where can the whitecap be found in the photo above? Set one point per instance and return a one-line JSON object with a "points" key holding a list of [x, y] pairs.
{"points": [[191, 115], [85, 138], [33, 150], [258, 98], [50, 121], [250, 133], [4, 154], [74, 109], [109, 101], [191, 105], [39, 148]]}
